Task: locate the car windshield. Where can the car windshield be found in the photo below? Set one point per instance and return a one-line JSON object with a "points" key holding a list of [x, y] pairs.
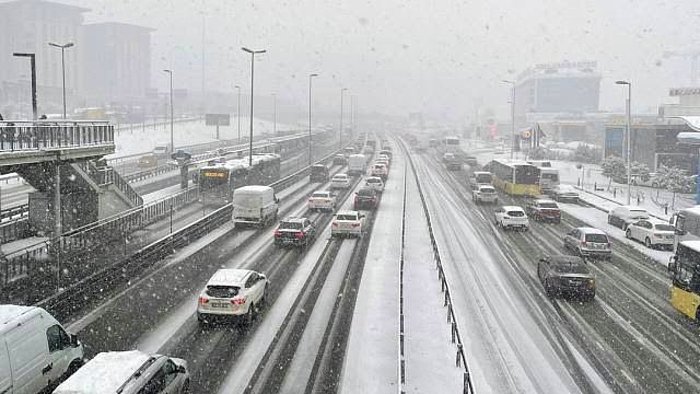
{"points": [[664, 227], [346, 217], [596, 238], [291, 226], [487, 190], [570, 268], [374, 181], [516, 214], [365, 192], [340, 177], [548, 205], [222, 291], [321, 194]]}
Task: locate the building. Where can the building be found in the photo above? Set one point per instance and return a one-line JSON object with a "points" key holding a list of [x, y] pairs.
{"points": [[688, 102], [29, 26], [117, 63], [556, 90], [652, 144]]}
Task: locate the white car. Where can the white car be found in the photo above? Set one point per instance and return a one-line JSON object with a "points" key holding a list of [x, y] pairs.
{"points": [[564, 193], [340, 181], [654, 233], [375, 182], [511, 217], [485, 193], [322, 200], [347, 223], [380, 170], [232, 293], [130, 372]]}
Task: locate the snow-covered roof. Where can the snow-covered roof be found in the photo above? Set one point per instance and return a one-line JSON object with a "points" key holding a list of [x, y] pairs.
{"points": [[105, 373], [228, 277], [252, 189], [10, 312]]}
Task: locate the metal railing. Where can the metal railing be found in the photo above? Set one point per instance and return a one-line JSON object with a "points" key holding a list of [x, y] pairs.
{"points": [[105, 176], [460, 358], [15, 212], [14, 230], [47, 135]]}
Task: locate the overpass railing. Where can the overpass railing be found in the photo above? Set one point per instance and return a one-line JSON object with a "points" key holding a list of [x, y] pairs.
{"points": [[47, 135]]}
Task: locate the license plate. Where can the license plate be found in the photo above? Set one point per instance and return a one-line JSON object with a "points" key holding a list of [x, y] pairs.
{"points": [[217, 305]]}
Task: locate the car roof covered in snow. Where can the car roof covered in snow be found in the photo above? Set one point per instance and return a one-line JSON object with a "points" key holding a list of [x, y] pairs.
{"points": [[105, 373], [228, 277]]}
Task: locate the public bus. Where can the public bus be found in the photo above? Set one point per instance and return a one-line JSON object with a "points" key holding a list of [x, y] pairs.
{"points": [[451, 144], [517, 178], [217, 180], [684, 268]]}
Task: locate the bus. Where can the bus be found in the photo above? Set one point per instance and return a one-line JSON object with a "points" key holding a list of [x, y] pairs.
{"points": [[684, 268], [218, 179], [517, 178], [451, 144]]}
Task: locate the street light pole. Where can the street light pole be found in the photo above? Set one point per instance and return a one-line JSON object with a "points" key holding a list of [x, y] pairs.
{"points": [[512, 116], [238, 113], [252, 74], [340, 131], [172, 126], [311, 159], [629, 137], [63, 70], [274, 114], [32, 63]]}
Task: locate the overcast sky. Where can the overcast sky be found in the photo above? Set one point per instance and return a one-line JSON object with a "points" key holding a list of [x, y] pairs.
{"points": [[414, 55]]}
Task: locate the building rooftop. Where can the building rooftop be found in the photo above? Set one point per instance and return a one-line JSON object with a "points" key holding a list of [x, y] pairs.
{"points": [[35, 3]]}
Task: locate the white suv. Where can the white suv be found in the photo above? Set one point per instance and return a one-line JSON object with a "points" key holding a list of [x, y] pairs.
{"points": [[485, 193], [511, 217], [340, 181], [232, 293], [350, 223]]}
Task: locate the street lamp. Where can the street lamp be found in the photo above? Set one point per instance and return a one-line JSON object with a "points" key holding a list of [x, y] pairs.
{"points": [[311, 77], [629, 137], [32, 62], [274, 114], [512, 116], [252, 74], [63, 69], [172, 133], [238, 112], [340, 131]]}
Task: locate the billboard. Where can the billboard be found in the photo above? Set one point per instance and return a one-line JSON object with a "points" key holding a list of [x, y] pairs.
{"points": [[217, 119]]}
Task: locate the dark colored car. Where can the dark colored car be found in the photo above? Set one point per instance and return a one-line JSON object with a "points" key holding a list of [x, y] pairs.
{"points": [[566, 275], [365, 198], [319, 173], [294, 231], [340, 160], [544, 211]]}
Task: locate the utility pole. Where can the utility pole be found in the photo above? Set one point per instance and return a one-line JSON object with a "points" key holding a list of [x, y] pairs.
{"points": [[63, 70], [172, 113], [340, 131], [32, 63], [252, 79], [311, 158], [238, 113], [274, 114], [512, 116], [629, 137]]}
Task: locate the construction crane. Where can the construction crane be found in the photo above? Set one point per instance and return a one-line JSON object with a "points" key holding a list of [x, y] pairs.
{"points": [[693, 55]]}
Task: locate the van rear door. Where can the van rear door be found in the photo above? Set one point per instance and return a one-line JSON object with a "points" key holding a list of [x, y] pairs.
{"points": [[28, 349]]}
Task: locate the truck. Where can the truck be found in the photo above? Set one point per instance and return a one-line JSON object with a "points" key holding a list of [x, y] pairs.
{"points": [[256, 205], [357, 164], [36, 352]]}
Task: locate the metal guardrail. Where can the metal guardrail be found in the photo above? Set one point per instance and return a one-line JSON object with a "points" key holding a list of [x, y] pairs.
{"points": [[46, 135], [460, 358], [14, 230]]}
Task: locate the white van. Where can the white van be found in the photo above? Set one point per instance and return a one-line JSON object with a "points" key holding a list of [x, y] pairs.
{"points": [[255, 205], [128, 372], [357, 164], [35, 351]]}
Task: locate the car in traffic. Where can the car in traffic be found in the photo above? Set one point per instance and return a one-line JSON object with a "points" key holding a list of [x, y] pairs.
{"points": [[319, 173], [624, 215], [129, 372], [485, 193], [365, 199], [357, 164], [294, 232], [232, 293], [566, 275], [349, 150], [588, 242], [347, 224], [379, 170], [375, 183], [477, 178], [340, 181], [255, 205], [509, 216], [564, 193], [653, 233], [340, 160], [544, 210], [322, 200]]}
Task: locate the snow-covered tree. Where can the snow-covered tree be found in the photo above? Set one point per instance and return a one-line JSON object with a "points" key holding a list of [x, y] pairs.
{"points": [[614, 168]]}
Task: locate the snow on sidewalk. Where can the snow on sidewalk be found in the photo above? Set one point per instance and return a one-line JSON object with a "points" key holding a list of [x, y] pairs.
{"points": [[429, 351]]}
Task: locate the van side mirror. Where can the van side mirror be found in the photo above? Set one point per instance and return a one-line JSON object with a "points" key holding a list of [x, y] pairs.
{"points": [[181, 369], [277, 200], [74, 341]]}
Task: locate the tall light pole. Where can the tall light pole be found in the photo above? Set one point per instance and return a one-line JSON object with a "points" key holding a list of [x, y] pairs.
{"points": [[311, 77], [252, 74], [63, 69], [629, 137], [512, 116], [340, 130], [274, 114], [32, 63], [238, 112], [172, 125]]}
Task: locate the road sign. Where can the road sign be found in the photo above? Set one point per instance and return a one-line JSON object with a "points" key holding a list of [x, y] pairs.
{"points": [[217, 119]]}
